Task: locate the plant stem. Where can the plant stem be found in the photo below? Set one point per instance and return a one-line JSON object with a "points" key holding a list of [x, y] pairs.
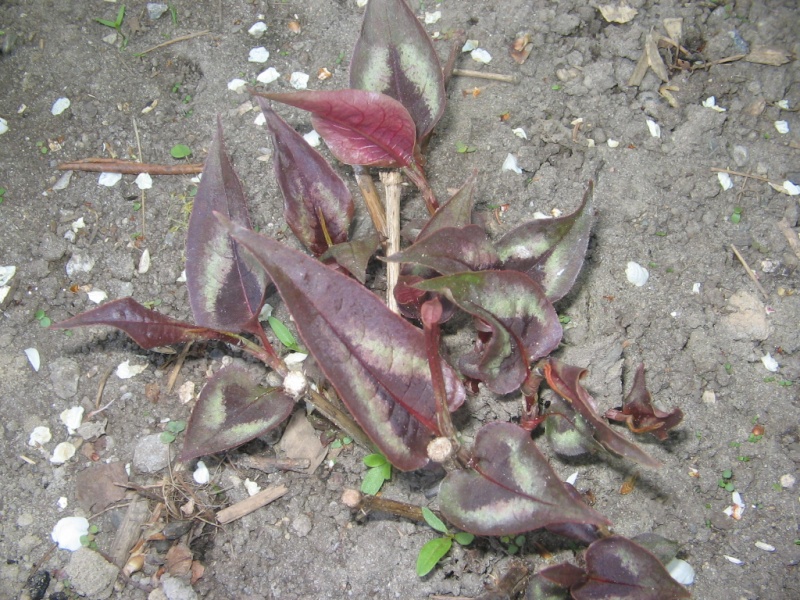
{"points": [[358, 501], [416, 174], [392, 180], [431, 313], [373, 202], [114, 165]]}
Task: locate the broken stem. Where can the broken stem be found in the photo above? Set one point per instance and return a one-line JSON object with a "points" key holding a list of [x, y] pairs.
{"points": [[485, 75], [431, 313], [750, 272], [416, 174], [373, 202], [392, 180], [129, 167], [749, 175], [366, 503]]}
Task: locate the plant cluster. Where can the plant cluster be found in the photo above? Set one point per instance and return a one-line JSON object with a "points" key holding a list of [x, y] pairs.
{"points": [[391, 376]]}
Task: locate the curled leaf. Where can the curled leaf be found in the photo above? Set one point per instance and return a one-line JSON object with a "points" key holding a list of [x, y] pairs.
{"points": [[450, 250], [639, 413]]}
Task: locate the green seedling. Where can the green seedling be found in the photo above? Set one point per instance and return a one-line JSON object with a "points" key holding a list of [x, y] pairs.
{"points": [[564, 319], [743, 458], [2, 195], [152, 303], [380, 470], [555, 87], [42, 317], [42, 146], [737, 215], [341, 442], [513, 544], [283, 334], [173, 13], [437, 548], [172, 430], [726, 481], [728, 368], [116, 24], [462, 148], [88, 540], [661, 233], [180, 151], [753, 438]]}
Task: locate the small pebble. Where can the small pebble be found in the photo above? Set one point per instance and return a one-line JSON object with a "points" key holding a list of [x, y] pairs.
{"points": [[268, 76], [258, 55], [155, 10], [258, 29]]}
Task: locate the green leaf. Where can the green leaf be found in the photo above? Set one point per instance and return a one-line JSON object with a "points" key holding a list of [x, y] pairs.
{"points": [[373, 481], [283, 334], [375, 460], [180, 151], [464, 538], [431, 553], [432, 520], [176, 426], [462, 148], [232, 410], [166, 437]]}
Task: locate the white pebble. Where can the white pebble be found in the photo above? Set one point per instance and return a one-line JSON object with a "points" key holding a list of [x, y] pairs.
{"points": [[312, 138], [711, 102], [480, 55], [60, 105], [295, 384], [39, 436], [787, 481], [432, 17], [520, 133], [510, 164], [572, 478], [97, 296], [725, 181], [258, 29], [62, 503], [765, 547], [3, 126], [63, 181], [186, 392], [201, 474], [252, 487], [72, 418], [62, 453], [470, 45], [144, 262], [33, 358], [655, 129], [733, 559], [636, 274], [299, 80], [143, 181], [696, 288], [237, 85], [782, 126], [125, 370], [770, 364], [109, 179], [681, 571], [612, 143], [258, 55], [68, 532], [268, 76]]}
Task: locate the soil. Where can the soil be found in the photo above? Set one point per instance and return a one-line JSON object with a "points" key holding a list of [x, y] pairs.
{"points": [[700, 324]]}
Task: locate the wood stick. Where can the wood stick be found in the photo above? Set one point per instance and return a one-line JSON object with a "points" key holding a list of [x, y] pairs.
{"points": [[272, 465], [129, 167], [373, 202], [251, 504], [129, 531], [750, 272], [364, 502], [729, 172], [486, 75], [392, 180], [181, 38]]}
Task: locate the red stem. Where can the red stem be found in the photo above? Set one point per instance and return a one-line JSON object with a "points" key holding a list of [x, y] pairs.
{"points": [[431, 313]]}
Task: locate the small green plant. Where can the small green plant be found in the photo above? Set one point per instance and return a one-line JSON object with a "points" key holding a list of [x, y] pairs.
{"points": [[152, 303], [743, 458], [726, 480], [661, 233], [172, 430], [555, 87], [341, 442], [462, 148], [2, 194], [728, 368], [513, 544], [737, 215], [564, 319], [380, 470], [180, 151], [173, 13], [41, 316], [116, 24], [777, 487], [753, 438], [42, 146], [437, 548], [88, 540], [283, 334]]}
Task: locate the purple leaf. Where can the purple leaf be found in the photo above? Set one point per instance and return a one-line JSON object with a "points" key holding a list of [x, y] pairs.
{"points": [[360, 128], [583, 532], [226, 286], [639, 413], [550, 251], [374, 359], [565, 381], [353, 256], [456, 212], [524, 324], [568, 432], [315, 199], [619, 568], [509, 489], [450, 250], [146, 327], [395, 56], [564, 575], [232, 410]]}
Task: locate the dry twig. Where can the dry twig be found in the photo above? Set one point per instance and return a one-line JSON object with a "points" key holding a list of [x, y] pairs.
{"points": [[181, 38], [485, 75], [750, 272], [129, 167]]}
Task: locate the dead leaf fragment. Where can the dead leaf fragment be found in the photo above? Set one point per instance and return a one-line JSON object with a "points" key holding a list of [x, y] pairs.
{"points": [[96, 486], [764, 55], [179, 560], [654, 58], [521, 48], [674, 28], [300, 441], [621, 13], [294, 26]]}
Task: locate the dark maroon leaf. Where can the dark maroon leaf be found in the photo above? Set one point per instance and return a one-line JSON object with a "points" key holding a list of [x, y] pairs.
{"points": [[317, 205], [456, 212], [619, 568], [360, 127], [451, 250], [550, 251], [231, 410], [540, 588], [568, 433], [583, 532], [374, 359], [395, 56], [564, 574], [565, 381], [639, 413], [146, 327], [226, 286], [528, 324], [353, 256], [509, 489]]}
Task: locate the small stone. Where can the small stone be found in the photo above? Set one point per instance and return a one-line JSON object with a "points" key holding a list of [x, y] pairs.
{"points": [[299, 80], [72, 418], [109, 179], [481, 56], [68, 531], [258, 29], [748, 319], [39, 436], [782, 126], [64, 373], [788, 481], [143, 181], [151, 454], [59, 106], [37, 584], [79, 263], [62, 453], [302, 525], [237, 85], [268, 76], [258, 55], [740, 155], [155, 10], [177, 589], [91, 575]]}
